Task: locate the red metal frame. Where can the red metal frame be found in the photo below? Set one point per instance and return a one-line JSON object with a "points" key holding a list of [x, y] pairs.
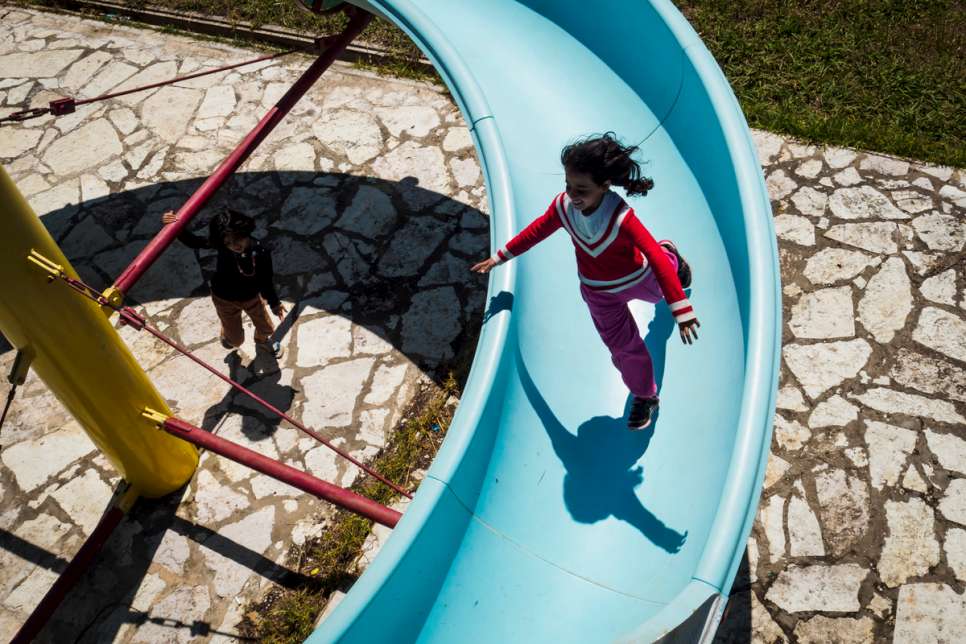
{"points": [[144, 260], [130, 317], [296, 478]]}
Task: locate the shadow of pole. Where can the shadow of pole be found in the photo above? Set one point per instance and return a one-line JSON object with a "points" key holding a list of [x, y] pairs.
{"points": [[102, 602], [196, 628], [29, 552], [240, 554], [113, 577]]}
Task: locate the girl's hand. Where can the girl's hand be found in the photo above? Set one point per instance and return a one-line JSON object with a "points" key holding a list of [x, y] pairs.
{"points": [[689, 331], [484, 266], [169, 218], [279, 311]]}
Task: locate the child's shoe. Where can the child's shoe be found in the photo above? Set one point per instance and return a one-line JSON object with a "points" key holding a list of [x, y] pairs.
{"points": [[684, 269], [642, 412], [273, 347]]}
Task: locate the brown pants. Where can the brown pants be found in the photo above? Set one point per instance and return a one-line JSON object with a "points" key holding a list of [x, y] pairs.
{"points": [[231, 321]]}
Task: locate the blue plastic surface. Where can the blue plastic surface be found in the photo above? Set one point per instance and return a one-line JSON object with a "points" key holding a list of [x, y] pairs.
{"points": [[542, 518]]}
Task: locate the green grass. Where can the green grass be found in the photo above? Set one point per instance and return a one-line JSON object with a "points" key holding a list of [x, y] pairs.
{"points": [[882, 75]]}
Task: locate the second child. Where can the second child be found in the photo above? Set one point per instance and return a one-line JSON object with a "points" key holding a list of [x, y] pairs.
{"points": [[243, 281]]}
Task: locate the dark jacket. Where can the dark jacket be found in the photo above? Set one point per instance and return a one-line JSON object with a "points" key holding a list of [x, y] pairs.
{"points": [[238, 276]]}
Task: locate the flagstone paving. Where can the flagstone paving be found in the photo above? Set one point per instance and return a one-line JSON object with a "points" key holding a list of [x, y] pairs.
{"points": [[374, 223], [859, 533], [372, 198]]}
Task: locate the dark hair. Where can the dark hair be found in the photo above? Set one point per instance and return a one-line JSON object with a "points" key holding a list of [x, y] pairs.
{"points": [[230, 221], [605, 159]]}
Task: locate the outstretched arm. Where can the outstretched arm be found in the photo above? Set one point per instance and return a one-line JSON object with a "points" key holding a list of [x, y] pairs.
{"points": [[538, 230], [667, 278], [186, 237]]}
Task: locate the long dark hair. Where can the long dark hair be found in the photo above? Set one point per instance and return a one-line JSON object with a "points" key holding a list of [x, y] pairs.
{"points": [[604, 158]]}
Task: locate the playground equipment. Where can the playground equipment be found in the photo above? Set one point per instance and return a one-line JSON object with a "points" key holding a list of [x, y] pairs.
{"points": [[542, 518], [94, 375], [533, 523]]}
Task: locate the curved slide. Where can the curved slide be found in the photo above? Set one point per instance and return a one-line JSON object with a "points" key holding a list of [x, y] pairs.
{"points": [[543, 518]]}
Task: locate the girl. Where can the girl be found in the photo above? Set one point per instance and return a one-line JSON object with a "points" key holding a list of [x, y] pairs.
{"points": [[243, 279], [617, 259]]}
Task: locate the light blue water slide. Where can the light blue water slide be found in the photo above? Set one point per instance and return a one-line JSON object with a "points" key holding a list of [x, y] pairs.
{"points": [[543, 519]]}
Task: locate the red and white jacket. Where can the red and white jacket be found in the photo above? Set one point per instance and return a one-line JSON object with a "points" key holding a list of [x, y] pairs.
{"points": [[622, 253]]}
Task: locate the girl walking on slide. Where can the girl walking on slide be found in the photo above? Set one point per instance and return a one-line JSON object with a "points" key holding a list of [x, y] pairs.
{"points": [[617, 259]]}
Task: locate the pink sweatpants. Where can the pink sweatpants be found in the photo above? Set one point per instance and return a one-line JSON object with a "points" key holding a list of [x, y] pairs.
{"points": [[619, 331]]}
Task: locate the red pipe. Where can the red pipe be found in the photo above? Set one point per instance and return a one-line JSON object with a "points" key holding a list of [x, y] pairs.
{"points": [[296, 478], [75, 569], [130, 317], [144, 260]]}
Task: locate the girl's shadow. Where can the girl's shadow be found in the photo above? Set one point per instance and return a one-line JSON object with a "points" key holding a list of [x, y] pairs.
{"points": [[601, 460]]}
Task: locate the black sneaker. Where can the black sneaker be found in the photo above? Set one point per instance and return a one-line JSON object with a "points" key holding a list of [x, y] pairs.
{"points": [[684, 269], [642, 412], [271, 346]]}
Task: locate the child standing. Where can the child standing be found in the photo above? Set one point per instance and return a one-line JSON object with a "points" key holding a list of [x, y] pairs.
{"points": [[617, 259], [243, 279]]}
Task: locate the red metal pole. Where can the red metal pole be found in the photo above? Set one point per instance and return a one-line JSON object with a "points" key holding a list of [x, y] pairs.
{"points": [[131, 318], [144, 260], [296, 478], [75, 569], [127, 311]]}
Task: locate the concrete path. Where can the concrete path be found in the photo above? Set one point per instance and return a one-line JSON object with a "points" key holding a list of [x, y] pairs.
{"points": [[372, 198]]}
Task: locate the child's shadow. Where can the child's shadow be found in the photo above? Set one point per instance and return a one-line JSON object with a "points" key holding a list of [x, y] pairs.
{"points": [[262, 377], [601, 460], [658, 332]]}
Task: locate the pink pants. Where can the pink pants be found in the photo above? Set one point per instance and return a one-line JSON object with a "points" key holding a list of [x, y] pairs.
{"points": [[619, 331]]}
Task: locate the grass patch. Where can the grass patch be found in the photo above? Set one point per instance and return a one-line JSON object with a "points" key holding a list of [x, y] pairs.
{"points": [[288, 616], [884, 75]]}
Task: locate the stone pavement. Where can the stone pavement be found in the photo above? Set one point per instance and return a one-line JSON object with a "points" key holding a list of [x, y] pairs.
{"points": [[859, 535], [373, 201], [370, 195]]}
